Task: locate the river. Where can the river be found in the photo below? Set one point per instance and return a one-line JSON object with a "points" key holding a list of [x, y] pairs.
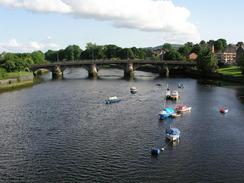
{"points": [[61, 131]]}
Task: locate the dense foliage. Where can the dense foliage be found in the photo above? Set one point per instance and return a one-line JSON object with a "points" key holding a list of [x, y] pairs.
{"points": [[93, 52], [241, 62], [10, 62], [206, 61]]}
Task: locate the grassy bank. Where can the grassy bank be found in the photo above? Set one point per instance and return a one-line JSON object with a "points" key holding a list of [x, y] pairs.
{"points": [[10, 75], [14, 80], [234, 71]]}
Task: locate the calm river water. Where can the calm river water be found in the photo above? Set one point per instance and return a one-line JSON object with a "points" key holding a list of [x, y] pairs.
{"points": [[61, 131]]}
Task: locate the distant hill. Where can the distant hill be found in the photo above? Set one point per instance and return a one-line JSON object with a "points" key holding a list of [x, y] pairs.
{"points": [[176, 46]]}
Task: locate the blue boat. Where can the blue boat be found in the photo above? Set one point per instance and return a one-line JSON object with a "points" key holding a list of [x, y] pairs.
{"points": [[172, 134], [166, 112], [155, 151]]}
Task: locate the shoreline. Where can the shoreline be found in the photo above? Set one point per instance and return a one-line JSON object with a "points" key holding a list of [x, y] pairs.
{"points": [[16, 83], [213, 79]]}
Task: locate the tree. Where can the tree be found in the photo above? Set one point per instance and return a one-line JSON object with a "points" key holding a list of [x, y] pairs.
{"points": [[167, 46], [51, 56], [241, 61], [206, 61], [3, 72], [173, 54], [111, 51], [72, 52], [220, 45], [38, 57], [126, 53], [196, 49], [9, 65], [185, 50], [93, 51], [21, 64]]}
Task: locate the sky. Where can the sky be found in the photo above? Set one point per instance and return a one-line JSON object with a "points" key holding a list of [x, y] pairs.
{"points": [[28, 25]]}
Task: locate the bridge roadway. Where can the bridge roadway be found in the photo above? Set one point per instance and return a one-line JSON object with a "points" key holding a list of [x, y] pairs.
{"points": [[129, 66]]}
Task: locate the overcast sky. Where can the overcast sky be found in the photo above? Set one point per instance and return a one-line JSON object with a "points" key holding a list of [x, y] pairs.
{"points": [[27, 25]]}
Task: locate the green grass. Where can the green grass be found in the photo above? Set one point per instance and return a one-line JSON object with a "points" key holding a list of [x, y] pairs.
{"points": [[230, 71], [17, 74]]}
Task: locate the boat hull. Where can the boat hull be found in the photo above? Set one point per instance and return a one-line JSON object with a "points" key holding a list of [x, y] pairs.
{"points": [[188, 109], [224, 111], [112, 101], [172, 137], [163, 116]]}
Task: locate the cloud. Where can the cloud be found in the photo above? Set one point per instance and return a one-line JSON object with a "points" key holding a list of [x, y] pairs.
{"points": [[145, 15], [14, 46], [56, 6]]}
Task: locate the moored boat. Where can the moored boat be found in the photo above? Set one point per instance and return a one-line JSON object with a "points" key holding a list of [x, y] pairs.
{"points": [[180, 85], [113, 99], [182, 108], [223, 110], [133, 90], [155, 151], [168, 94], [166, 112], [172, 134], [175, 115], [174, 95]]}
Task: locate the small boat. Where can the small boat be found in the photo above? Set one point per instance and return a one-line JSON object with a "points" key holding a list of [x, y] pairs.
{"points": [[223, 110], [168, 94], [175, 115], [166, 112], [180, 85], [172, 134], [174, 95], [113, 99], [155, 151], [133, 90], [182, 108]]}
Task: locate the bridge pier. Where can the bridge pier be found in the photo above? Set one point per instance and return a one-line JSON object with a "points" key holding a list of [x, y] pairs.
{"points": [[57, 72], [92, 71], [164, 71], [129, 71]]}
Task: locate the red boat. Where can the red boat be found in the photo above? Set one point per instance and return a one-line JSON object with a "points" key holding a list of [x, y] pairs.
{"points": [[223, 110]]}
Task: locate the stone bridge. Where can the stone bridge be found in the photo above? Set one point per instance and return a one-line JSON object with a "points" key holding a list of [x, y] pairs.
{"points": [[129, 66]]}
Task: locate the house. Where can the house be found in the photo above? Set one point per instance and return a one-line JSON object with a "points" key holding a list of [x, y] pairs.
{"points": [[159, 52], [228, 56], [192, 56]]}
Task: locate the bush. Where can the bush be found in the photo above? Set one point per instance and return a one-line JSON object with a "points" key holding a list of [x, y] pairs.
{"points": [[3, 73]]}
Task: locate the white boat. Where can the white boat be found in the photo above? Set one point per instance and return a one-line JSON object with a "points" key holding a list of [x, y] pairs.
{"points": [[174, 95], [113, 99], [175, 115], [133, 90], [180, 85], [172, 134], [168, 94], [182, 108], [223, 110]]}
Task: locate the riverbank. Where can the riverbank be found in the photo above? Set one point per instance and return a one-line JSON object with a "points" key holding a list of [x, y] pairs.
{"points": [[16, 80], [216, 78]]}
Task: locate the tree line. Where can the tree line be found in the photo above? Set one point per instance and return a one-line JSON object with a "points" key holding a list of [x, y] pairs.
{"points": [[206, 60], [93, 51]]}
